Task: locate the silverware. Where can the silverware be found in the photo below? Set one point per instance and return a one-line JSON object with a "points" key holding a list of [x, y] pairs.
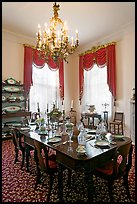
{"points": [[91, 138], [95, 146], [55, 145]]}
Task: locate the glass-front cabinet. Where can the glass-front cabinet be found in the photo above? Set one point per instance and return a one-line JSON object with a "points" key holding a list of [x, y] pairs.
{"points": [[14, 105]]}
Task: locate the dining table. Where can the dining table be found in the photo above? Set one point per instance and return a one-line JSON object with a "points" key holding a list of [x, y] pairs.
{"points": [[67, 154]]}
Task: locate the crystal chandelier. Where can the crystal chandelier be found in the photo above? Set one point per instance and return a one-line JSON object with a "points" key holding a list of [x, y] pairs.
{"points": [[55, 40]]}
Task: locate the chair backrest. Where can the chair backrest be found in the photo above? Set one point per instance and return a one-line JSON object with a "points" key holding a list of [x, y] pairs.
{"points": [[123, 159], [17, 138], [34, 116], [43, 160], [118, 117]]}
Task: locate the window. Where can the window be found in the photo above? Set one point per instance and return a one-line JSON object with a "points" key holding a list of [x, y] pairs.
{"points": [[45, 89], [96, 91]]}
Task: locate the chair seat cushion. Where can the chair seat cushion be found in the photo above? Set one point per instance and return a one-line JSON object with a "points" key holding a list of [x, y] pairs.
{"points": [[107, 169], [52, 164]]}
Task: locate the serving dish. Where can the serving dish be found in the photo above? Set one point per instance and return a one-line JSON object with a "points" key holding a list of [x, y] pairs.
{"points": [[118, 136], [11, 108], [81, 149], [11, 81], [101, 143], [55, 139], [11, 88]]}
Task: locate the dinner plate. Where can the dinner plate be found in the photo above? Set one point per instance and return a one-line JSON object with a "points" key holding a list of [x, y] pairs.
{"points": [[12, 108], [80, 149], [55, 139], [14, 124], [43, 132], [118, 136], [25, 128], [101, 143]]}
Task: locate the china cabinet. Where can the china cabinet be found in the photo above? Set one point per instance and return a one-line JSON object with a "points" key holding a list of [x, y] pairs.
{"points": [[14, 104]]}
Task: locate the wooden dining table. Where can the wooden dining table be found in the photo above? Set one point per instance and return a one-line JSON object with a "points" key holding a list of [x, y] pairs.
{"points": [[67, 155]]}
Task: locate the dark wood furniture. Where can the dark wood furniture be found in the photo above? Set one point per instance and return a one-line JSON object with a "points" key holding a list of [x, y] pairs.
{"points": [[95, 157], [46, 165], [18, 141], [14, 103], [8, 124], [117, 168], [88, 117], [16, 114], [116, 126]]}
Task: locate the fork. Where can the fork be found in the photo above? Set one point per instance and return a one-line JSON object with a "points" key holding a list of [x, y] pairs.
{"points": [[94, 146]]}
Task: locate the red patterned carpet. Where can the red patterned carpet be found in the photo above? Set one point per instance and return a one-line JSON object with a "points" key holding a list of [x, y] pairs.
{"points": [[18, 185]]}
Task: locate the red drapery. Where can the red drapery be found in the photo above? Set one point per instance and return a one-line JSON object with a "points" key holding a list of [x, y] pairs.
{"points": [[32, 55], [105, 55]]}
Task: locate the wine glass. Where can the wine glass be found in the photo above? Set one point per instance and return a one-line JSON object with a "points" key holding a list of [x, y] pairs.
{"points": [[70, 134], [79, 125]]}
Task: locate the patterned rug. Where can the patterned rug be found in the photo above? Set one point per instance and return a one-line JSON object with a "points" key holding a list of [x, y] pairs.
{"points": [[18, 185]]}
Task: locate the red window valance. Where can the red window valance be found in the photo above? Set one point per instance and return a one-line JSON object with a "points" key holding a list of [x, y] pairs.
{"points": [[32, 56], [103, 55]]}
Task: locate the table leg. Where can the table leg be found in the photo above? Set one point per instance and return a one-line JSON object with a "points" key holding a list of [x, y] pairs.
{"points": [[27, 158], [60, 182], [89, 177]]}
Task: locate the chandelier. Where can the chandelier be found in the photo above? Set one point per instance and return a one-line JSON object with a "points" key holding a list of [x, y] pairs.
{"points": [[55, 40]]}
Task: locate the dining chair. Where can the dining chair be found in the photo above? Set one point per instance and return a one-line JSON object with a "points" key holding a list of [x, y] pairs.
{"points": [[18, 141], [34, 116], [117, 168], [46, 166], [116, 126]]}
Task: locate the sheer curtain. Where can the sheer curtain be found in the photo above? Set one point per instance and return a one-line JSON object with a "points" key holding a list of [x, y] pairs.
{"points": [[96, 91], [45, 89]]}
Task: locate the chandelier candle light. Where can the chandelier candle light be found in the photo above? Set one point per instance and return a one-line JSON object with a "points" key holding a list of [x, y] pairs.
{"points": [[55, 42]]}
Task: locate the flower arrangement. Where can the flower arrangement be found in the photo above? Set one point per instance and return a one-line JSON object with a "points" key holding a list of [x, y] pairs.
{"points": [[55, 114], [40, 121]]}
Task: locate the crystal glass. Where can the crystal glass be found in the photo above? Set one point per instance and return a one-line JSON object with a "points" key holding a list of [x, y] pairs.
{"points": [[70, 134], [69, 129], [80, 125]]}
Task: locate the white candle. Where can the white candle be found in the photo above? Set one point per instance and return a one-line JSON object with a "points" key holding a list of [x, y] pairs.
{"points": [[64, 106], [72, 104]]}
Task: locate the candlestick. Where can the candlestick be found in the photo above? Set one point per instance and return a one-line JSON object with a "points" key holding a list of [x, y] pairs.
{"points": [[38, 108], [64, 106], [47, 107], [72, 104]]}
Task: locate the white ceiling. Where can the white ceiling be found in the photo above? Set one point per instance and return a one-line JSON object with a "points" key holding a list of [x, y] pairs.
{"points": [[94, 20]]}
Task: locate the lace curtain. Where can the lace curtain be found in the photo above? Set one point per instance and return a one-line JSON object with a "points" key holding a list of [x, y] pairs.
{"points": [[96, 91], [45, 89], [102, 56]]}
